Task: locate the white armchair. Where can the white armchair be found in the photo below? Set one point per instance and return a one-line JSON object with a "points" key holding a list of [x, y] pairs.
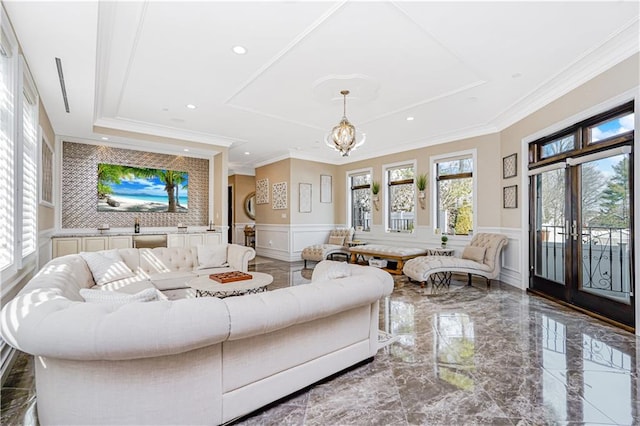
{"points": [[336, 244]]}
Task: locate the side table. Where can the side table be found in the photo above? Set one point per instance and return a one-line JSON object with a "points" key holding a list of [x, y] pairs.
{"points": [[440, 278]]}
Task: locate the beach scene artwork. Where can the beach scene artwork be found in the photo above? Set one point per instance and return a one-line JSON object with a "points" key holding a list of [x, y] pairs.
{"points": [[135, 189]]}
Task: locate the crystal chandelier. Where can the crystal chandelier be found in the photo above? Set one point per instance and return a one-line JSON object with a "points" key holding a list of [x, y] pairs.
{"points": [[343, 136]]}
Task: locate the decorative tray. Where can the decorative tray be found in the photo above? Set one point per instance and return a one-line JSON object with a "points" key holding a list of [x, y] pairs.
{"points": [[229, 277]]}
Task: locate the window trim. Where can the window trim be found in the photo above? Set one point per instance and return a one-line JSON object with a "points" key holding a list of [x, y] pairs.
{"points": [[433, 186], [387, 196], [349, 174]]}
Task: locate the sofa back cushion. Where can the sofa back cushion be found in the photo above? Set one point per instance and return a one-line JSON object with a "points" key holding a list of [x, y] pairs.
{"points": [[211, 256], [346, 234], [164, 259], [106, 266], [493, 243]]}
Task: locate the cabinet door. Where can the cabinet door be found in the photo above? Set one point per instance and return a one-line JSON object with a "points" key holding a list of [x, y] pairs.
{"points": [[212, 238], [175, 240], [95, 243], [65, 246], [120, 242], [194, 240]]}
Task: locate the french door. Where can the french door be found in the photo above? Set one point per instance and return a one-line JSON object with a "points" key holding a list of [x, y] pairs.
{"points": [[580, 221]]}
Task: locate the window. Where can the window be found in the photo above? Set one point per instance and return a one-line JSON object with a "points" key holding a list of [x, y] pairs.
{"points": [[29, 166], [7, 153], [360, 187], [18, 159], [608, 129], [454, 194], [401, 197]]}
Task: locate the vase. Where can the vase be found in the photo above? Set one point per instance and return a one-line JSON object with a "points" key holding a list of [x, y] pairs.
{"points": [[444, 245]]}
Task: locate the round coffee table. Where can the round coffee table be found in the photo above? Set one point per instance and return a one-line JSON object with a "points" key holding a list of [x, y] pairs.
{"points": [[205, 286]]}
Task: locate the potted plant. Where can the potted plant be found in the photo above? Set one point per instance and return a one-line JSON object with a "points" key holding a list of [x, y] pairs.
{"points": [[421, 184], [375, 189], [444, 240]]}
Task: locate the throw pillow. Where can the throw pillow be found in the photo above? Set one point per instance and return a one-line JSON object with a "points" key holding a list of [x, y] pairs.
{"points": [[474, 253], [330, 270], [106, 266], [212, 256], [339, 241], [102, 296]]}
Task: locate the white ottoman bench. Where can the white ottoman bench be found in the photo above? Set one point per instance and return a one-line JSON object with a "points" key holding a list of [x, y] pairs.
{"points": [[396, 254]]}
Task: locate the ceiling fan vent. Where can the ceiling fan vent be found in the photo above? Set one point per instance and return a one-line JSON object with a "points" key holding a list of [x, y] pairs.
{"points": [[62, 85]]}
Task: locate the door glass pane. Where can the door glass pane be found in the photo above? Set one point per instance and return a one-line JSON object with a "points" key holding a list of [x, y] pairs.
{"points": [[550, 220], [606, 228]]}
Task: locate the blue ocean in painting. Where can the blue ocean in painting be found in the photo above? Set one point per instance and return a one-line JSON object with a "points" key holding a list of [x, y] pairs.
{"points": [[146, 198]]}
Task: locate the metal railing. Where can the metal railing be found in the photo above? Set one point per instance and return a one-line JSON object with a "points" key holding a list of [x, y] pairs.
{"points": [[605, 257]]}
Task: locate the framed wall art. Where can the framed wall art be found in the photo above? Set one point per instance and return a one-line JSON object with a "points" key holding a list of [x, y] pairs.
{"points": [[305, 198], [510, 197], [262, 191], [46, 171], [279, 196], [325, 188], [510, 166]]}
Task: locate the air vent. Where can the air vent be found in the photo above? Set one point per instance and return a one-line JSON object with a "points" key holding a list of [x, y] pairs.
{"points": [[62, 86]]}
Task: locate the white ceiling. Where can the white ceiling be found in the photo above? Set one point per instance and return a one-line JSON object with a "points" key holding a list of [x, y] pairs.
{"points": [[460, 68]]}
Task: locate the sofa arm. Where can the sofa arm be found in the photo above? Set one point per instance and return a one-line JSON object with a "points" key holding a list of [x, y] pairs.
{"points": [[239, 256], [44, 323]]}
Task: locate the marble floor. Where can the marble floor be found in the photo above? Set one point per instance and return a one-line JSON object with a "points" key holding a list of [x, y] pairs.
{"points": [[461, 355]]}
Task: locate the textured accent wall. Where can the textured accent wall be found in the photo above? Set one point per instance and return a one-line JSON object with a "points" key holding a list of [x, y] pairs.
{"points": [[79, 187]]}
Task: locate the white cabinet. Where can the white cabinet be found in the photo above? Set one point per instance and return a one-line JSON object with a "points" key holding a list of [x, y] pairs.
{"points": [[73, 245], [192, 240], [176, 240], [120, 242], [212, 238], [95, 243], [65, 246]]}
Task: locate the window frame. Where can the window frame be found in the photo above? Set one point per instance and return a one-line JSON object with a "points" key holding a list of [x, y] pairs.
{"points": [[433, 185], [22, 90], [9, 225], [28, 94], [387, 194], [349, 204]]}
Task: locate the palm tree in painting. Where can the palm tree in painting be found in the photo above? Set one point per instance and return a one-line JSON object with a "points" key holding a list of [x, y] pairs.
{"points": [[111, 173], [171, 180]]}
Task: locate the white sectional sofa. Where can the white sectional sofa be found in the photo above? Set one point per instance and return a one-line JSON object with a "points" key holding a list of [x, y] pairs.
{"points": [[188, 361]]}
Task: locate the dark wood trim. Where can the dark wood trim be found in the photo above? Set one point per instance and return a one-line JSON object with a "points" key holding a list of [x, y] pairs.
{"points": [[582, 310]]}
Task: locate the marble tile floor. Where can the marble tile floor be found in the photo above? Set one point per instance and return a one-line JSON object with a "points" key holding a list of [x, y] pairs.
{"points": [[464, 355]]}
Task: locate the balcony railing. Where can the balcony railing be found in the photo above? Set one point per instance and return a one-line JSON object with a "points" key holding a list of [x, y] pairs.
{"points": [[605, 258]]}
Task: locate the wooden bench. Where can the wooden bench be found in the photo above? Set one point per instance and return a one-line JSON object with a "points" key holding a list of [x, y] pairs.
{"points": [[395, 254]]}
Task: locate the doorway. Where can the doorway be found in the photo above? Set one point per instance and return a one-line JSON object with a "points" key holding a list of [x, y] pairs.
{"points": [[581, 210], [230, 214]]}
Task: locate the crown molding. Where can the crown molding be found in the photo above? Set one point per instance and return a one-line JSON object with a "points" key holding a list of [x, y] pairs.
{"points": [[590, 64]]}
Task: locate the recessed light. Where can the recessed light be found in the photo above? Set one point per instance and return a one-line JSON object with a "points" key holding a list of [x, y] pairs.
{"points": [[516, 75], [191, 106], [409, 118], [247, 153], [239, 50], [186, 150], [104, 138]]}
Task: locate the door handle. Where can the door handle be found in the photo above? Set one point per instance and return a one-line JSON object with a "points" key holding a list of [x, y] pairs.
{"points": [[574, 230]]}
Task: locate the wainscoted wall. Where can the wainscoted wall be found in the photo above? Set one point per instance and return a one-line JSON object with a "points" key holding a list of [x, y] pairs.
{"points": [[286, 243], [79, 183]]}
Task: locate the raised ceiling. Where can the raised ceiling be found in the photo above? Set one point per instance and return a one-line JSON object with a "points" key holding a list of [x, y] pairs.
{"points": [[459, 68]]}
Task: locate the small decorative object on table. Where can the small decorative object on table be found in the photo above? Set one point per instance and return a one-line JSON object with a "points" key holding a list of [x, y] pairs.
{"points": [[444, 240], [103, 227], [211, 228], [136, 226], [229, 277], [182, 228]]}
